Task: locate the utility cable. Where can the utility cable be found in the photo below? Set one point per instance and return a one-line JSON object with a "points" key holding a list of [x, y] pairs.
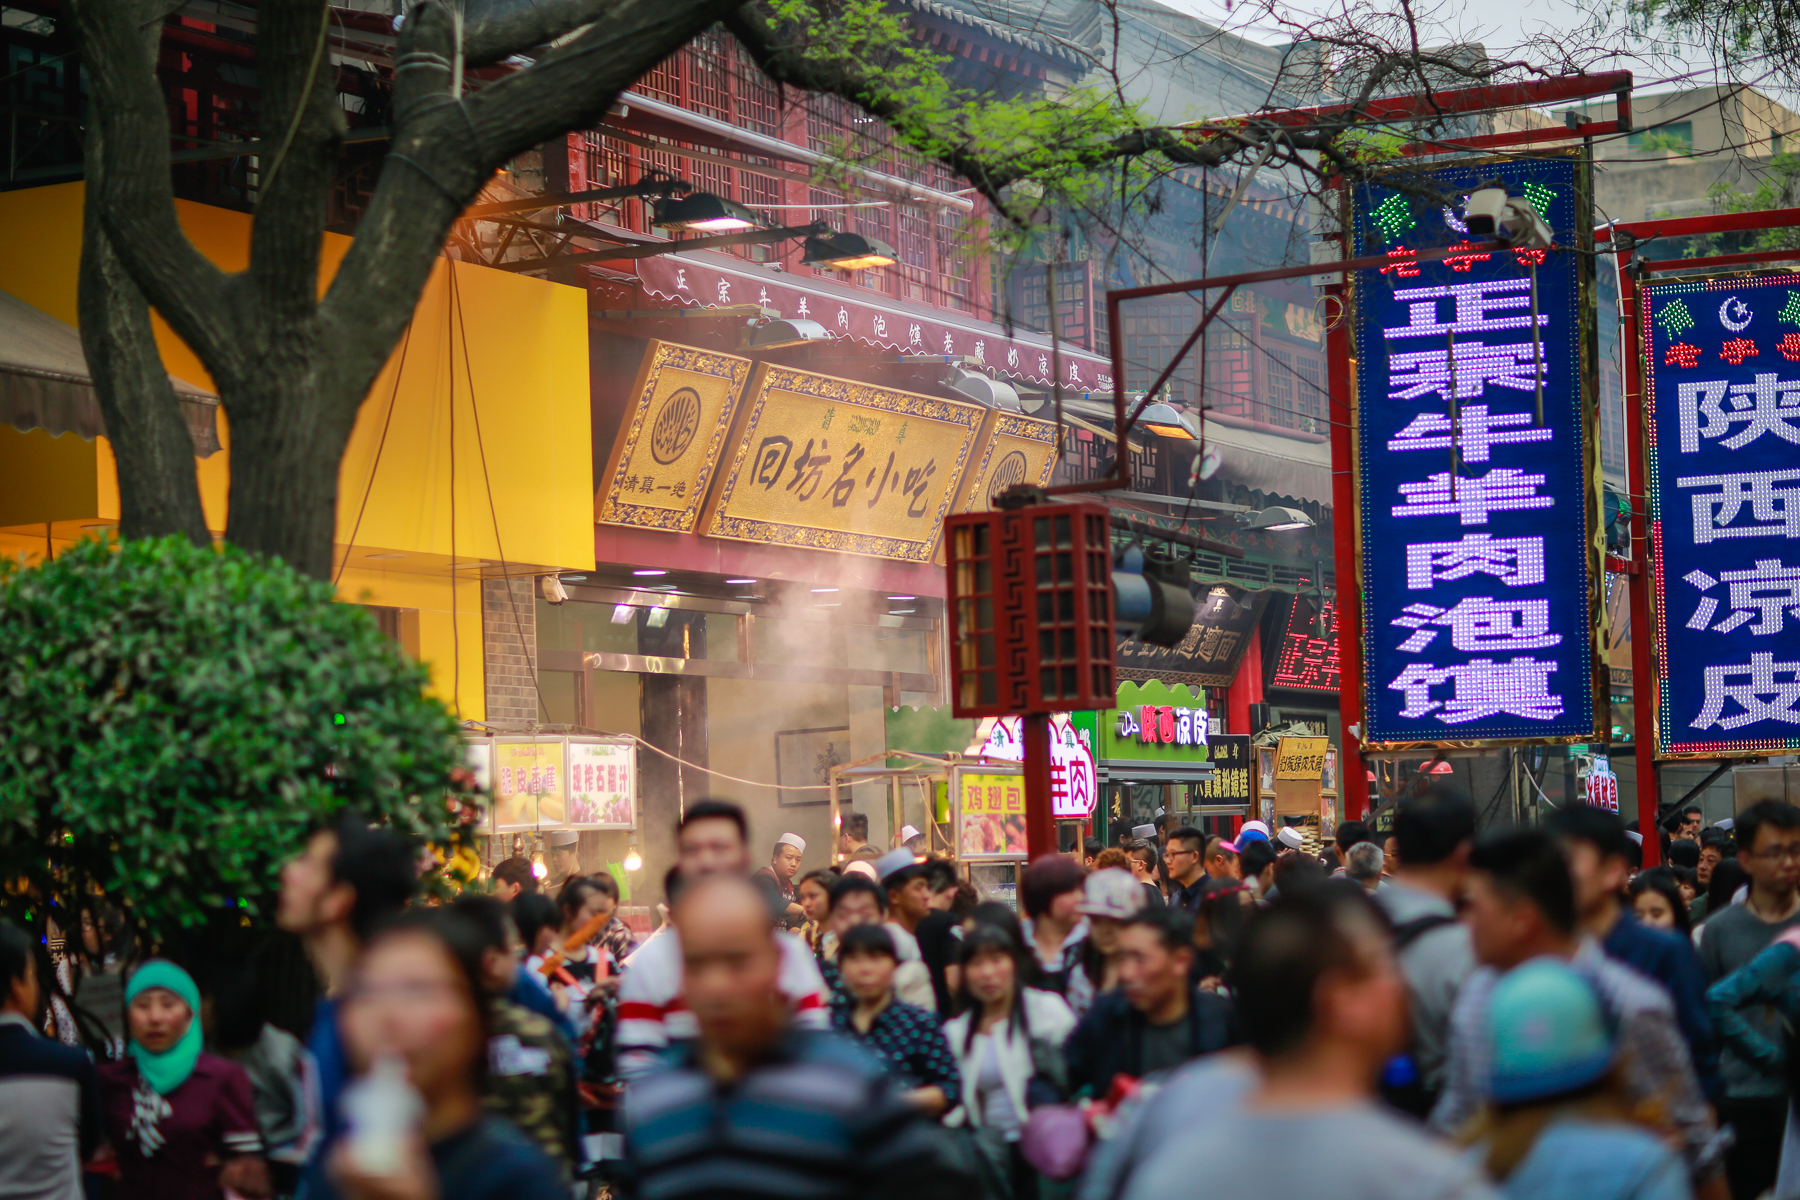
{"points": [[380, 445], [455, 295]]}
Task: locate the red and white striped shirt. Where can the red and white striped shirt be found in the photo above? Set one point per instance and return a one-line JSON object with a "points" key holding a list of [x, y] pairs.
{"points": [[653, 1011]]}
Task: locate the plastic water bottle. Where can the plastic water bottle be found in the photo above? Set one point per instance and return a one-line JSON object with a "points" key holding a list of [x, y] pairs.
{"points": [[383, 1111]]}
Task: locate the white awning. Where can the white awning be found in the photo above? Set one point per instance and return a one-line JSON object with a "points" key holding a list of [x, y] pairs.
{"points": [[45, 383]]}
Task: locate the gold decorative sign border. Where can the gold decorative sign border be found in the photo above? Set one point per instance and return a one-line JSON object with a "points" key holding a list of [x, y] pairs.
{"points": [[716, 523], [610, 510], [1005, 424]]}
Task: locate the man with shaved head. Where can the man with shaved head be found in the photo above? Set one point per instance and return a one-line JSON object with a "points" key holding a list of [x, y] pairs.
{"points": [[700, 1127]]}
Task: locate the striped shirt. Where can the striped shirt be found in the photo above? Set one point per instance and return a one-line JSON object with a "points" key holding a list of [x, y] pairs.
{"points": [[653, 1012], [817, 1119]]}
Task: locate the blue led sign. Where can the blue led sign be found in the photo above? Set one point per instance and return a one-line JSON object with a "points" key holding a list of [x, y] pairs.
{"points": [[1722, 401], [1477, 516]]}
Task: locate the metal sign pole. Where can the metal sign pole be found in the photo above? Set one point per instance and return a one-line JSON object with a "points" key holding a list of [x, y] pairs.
{"points": [[1643, 671], [1040, 827], [1341, 405]]}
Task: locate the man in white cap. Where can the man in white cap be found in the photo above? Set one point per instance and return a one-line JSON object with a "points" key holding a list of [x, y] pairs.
{"points": [[908, 887], [783, 866], [565, 858]]}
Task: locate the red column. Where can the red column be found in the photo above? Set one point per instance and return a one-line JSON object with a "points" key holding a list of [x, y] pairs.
{"points": [[1246, 689], [1352, 773], [1643, 682]]}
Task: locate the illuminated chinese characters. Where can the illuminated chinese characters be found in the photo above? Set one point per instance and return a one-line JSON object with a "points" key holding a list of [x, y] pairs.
{"points": [[1473, 482], [1162, 723], [1724, 417]]}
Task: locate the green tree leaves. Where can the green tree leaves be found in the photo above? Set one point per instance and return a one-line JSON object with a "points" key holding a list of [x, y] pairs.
{"points": [[171, 727]]}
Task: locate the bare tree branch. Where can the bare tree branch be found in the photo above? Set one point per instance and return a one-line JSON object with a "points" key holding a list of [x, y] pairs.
{"points": [[445, 148], [499, 29], [304, 123], [119, 40]]}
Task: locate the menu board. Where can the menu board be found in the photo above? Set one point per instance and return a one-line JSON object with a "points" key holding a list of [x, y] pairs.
{"points": [[602, 785], [528, 785], [992, 810]]}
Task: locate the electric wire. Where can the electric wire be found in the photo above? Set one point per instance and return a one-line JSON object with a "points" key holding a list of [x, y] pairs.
{"points": [[380, 445], [455, 293]]}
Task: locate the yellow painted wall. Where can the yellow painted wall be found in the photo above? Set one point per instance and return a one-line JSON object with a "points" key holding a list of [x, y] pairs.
{"points": [[515, 397], [449, 627]]}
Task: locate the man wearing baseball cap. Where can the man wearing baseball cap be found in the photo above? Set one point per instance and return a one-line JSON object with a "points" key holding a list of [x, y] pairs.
{"points": [[905, 879]]}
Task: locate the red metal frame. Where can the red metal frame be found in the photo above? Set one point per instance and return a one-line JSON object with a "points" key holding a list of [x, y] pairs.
{"points": [[1524, 137], [1353, 772], [1643, 684], [1638, 576], [1721, 260], [1122, 422], [1458, 101], [1643, 231]]}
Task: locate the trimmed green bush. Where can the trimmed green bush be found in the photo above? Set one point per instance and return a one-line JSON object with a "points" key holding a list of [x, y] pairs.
{"points": [[173, 719]]}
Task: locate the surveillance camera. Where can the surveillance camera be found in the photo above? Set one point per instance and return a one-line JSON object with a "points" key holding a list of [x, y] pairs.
{"points": [[552, 589], [1484, 211], [1525, 229], [1510, 220]]}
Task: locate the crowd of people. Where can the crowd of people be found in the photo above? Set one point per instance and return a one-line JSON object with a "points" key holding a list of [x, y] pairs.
{"points": [[1429, 1012]]}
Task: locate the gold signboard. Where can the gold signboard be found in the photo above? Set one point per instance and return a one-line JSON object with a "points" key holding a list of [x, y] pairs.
{"points": [[834, 465], [1014, 450], [663, 459], [1301, 757]]}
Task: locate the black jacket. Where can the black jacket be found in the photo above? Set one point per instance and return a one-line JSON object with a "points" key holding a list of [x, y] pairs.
{"points": [[1109, 1040]]}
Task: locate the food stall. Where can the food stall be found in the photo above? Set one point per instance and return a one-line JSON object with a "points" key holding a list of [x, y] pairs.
{"points": [[914, 784], [970, 808], [541, 783], [1297, 785]]}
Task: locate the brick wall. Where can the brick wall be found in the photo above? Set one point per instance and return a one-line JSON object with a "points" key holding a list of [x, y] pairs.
{"points": [[511, 658]]}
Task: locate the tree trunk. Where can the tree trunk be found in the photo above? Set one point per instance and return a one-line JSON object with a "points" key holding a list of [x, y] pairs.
{"points": [[158, 494], [290, 423]]}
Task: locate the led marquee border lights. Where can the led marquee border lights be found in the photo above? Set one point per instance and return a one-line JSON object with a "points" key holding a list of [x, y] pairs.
{"points": [[1477, 502]]}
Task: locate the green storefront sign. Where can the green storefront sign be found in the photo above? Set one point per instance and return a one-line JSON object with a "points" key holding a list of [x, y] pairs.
{"points": [[1157, 729]]}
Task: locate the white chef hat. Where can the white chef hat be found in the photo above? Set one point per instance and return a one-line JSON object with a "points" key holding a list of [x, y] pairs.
{"points": [[792, 839]]}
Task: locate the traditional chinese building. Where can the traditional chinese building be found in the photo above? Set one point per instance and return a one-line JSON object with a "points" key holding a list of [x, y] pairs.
{"points": [[769, 442]]}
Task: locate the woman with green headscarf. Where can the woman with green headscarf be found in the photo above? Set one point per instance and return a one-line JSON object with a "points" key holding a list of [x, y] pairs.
{"points": [[182, 1122]]}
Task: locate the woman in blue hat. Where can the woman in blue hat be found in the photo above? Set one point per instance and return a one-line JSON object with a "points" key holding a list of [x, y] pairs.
{"points": [[1561, 1125], [182, 1122]]}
